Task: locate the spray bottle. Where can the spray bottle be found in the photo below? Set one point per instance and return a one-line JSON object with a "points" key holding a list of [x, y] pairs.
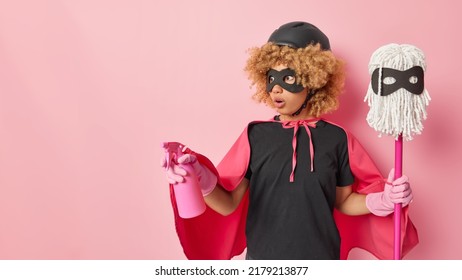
{"points": [[188, 195]]}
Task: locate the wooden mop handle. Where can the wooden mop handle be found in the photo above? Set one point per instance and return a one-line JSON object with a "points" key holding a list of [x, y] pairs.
{"points": [[398, 206]]}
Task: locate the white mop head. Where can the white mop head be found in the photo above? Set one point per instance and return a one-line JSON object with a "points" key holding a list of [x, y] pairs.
{"points": [[400, 112]]}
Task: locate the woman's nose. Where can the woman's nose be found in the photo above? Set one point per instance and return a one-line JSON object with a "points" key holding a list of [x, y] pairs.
{"points": [[276, 89]]}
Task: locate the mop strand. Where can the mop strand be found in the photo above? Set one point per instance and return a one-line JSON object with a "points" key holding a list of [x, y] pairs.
{"points": [[400, 112]]}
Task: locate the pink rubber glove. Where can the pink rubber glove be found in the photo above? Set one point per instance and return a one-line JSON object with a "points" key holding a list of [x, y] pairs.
{"points": [[397, 191], [175, 174]]}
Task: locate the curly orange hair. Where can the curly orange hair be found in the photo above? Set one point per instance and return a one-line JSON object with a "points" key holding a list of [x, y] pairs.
{"points": [[315, 69]]}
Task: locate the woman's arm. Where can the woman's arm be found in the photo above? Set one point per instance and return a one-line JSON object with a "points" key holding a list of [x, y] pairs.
{"points": [[379, 203], [225, 202], [349, 202]]}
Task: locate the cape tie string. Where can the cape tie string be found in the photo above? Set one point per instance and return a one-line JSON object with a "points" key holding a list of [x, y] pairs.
{"points": [[295, 125]]}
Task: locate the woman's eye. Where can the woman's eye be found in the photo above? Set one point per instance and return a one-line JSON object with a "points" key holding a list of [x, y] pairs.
{"points": [[270, 79], [289, 79]]}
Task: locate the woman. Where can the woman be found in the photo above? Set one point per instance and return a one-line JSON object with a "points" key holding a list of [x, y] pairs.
{"points": [[283, 178]]}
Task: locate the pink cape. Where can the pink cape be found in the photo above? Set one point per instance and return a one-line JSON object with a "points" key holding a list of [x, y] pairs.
{"points": [[212, 236]]}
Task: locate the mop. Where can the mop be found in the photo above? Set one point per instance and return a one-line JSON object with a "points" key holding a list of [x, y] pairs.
{"points": [[397, 99]]}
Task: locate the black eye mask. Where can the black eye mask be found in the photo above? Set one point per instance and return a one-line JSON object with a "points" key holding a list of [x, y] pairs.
{"points": [[279, 77], [402, 79]]}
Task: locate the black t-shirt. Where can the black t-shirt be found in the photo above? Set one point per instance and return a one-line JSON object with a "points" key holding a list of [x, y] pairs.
{"points": [[293, 220]]}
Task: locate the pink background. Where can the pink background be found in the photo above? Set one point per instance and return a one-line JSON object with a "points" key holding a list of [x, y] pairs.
{"points": [[89, 90]]}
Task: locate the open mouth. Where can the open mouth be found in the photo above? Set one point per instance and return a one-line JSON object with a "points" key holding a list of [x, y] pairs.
{"points": [[278, 103]]}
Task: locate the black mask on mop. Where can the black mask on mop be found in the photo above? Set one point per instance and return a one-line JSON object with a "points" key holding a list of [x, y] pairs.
{"points": [[392, 80]]}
